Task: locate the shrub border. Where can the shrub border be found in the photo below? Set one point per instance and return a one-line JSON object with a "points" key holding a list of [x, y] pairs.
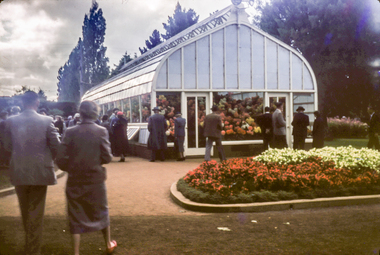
{"points": [[179, 199]]}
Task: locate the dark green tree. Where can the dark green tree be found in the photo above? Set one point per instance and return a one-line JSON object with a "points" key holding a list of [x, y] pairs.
{"points": [[95, 67], [154, 40], [69, 77], [337, 39], [125, 59], [181, 20]]}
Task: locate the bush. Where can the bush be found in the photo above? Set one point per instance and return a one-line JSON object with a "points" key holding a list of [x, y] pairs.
{"points": [[346, 128]]}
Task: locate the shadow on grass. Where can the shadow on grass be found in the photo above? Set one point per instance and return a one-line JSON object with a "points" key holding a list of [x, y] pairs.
{"points": [[343, 230]]}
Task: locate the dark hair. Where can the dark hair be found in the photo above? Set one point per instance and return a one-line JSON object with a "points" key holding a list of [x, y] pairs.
{"points": [[29, 98], [267, 109], [89, 110], [317, 113], [105, 117], [278, 104], [214, 108]]}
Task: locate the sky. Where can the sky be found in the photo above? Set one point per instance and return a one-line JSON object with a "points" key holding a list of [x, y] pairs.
{"points": [[37, 36]]}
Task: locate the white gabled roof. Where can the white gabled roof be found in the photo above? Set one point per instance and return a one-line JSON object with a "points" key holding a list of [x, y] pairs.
{"points": [[137, 75]]}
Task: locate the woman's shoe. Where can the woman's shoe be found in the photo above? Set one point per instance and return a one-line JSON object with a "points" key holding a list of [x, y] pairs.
{"points": [[122, 160], [113, 246]]}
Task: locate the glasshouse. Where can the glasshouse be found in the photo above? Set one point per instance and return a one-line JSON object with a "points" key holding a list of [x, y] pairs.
{"points": [[223, 60]]}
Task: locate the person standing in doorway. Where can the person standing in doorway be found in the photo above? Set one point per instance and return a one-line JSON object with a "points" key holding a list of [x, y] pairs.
{"points": [[212, 131], [157, 138], [33, 141], [373, 129], [265, 123], [300, 123], [279, 127], [179, 135]]}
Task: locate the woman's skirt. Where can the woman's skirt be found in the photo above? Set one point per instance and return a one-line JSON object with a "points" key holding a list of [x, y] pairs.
{"points": [[87, 207]]}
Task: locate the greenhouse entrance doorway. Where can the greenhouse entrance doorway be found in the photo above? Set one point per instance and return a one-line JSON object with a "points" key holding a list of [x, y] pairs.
{"points": [[284, 98], [196, 108]]}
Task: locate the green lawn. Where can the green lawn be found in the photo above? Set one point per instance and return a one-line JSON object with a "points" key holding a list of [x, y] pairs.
{"points": [[356, 143]]}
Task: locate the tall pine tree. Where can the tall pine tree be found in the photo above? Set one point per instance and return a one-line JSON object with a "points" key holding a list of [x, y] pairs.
{"points": [[181, 20], [87, 65], [125, 59], [95, 67], [68, 77]]}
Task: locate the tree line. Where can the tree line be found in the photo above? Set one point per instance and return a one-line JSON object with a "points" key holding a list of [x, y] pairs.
{"points": [[335, 36], [87, 65]]}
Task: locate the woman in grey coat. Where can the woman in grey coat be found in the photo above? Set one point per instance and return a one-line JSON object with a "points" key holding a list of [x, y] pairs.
{"points": [[83, 151]]}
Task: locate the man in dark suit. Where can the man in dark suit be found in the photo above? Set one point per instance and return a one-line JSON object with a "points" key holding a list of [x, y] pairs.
{"points": [[33, 142], [179, 134], [212, 130], [157, 138], [373, 129], [300, 123], [265, 123]]}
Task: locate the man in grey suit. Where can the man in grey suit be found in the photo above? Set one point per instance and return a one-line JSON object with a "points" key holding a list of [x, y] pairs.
{"points": [[212, 130], [32, 140], [279, 127], [179, 135]]}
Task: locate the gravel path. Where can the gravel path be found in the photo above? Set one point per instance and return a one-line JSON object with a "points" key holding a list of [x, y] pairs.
{"points": [[135, 187]]}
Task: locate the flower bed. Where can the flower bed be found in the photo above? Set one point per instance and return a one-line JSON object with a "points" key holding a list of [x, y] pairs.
{"points": [[346, 128], [283, 175]]}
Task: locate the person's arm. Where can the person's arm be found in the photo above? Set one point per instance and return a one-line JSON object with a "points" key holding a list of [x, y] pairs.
{"points": [[105, 148], [62, 159], [52, 139]]}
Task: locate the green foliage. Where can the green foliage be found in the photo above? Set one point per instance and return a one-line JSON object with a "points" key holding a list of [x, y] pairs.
{"points": [[181, 20], [95, 63], [338, 40], [125, 59], [87, 64], [55, 112], [68, 77]]}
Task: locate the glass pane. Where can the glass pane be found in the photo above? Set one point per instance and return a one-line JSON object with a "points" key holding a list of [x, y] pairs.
{"points": [[201, 117], [175, 70], [204, 63], [245, 58], [118, 105], [271, 64], [258, 60], [231, 57], [239, 111], [189, 66], [283, 68], [217, 60], [170, 104], [127, 108], [162, 81], [146, 108], [307, 80], [296, 73], [191, 123], [135, 109], [306, 100]]}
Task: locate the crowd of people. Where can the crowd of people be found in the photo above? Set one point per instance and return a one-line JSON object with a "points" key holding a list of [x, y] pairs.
{"points": [[80, 145]]}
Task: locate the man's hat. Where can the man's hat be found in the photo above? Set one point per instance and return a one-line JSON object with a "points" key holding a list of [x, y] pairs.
{"points": [[300, 108], [119, 113], [156, 109]]}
